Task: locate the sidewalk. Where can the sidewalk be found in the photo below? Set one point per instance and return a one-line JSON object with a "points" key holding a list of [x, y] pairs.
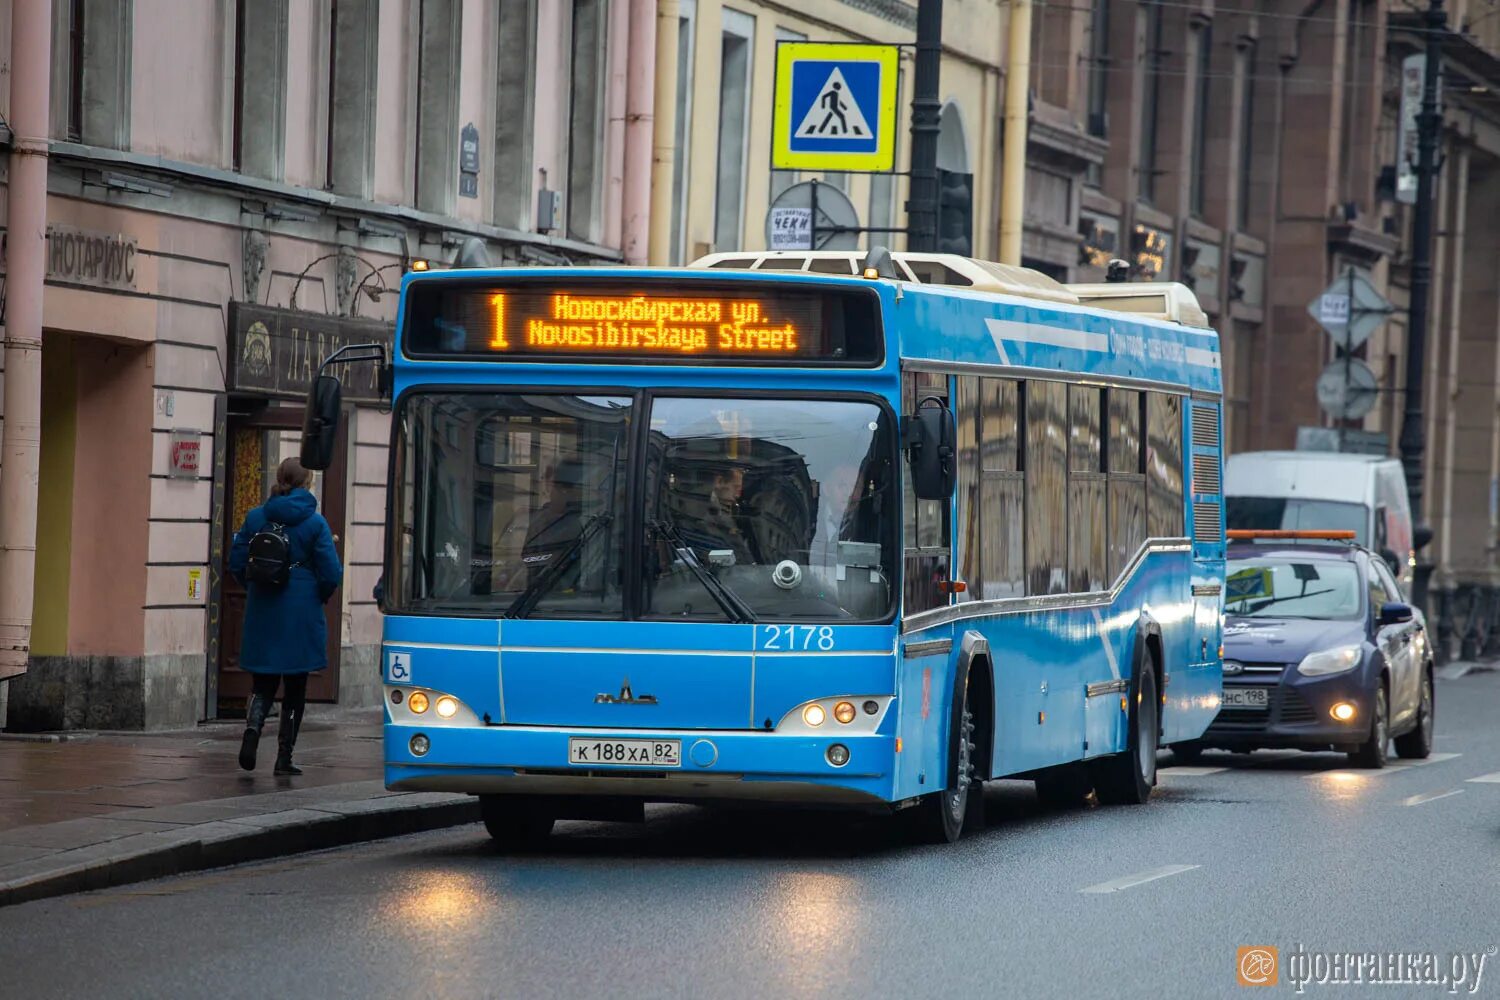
{"points": [[84, 811]]}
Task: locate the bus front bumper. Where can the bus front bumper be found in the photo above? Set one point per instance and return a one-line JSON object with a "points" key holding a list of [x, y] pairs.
{"points": [[715, 765]]}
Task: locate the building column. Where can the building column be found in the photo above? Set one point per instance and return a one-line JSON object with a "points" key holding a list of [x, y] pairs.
{"points": [[21, 437]]}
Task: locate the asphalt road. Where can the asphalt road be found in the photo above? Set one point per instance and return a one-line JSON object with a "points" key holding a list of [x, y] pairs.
{"points": [[1294, 851]]}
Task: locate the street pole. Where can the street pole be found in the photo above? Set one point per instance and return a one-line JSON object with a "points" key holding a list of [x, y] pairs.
{"points": [[926, 112], [1413, 438]]}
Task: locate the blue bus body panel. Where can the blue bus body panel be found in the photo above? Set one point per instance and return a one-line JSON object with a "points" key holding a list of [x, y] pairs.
{"points": [[532, 684]]}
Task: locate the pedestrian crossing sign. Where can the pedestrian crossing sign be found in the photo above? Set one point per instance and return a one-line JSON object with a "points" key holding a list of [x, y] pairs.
{"points": [[835, 107]]}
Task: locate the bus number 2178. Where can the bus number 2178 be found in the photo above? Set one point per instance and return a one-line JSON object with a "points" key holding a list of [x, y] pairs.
{"points": [[794, 638]]}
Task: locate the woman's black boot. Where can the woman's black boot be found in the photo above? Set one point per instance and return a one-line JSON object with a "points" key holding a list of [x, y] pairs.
{"points": [[255, 720], [286, 739]]}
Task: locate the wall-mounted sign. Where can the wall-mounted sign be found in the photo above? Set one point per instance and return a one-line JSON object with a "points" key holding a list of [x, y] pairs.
{"points": [[468, 161], [195, 585], [276, 352], [1413, 71], [186, 449], [103, 259]]}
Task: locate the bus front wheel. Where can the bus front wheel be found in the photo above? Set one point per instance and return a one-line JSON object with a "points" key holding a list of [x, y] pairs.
{"points": [[514, 823], [939, 818], [1127, 778]]}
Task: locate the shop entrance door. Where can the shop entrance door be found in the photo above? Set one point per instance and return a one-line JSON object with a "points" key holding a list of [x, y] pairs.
{"points": [[258, 442]]}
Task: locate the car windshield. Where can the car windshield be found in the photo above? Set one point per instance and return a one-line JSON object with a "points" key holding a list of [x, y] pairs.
{"points": [[785, 504], [1273, 513], [1288, 588], [520, 504]]}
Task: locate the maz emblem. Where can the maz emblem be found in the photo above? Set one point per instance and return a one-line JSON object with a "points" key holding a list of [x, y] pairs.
{"points": [[626, 697]]}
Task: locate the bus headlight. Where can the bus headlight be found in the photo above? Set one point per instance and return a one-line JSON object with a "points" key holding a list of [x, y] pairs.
{"points": [[844, 712], [417, 702], [447, 706], [814, 715]]}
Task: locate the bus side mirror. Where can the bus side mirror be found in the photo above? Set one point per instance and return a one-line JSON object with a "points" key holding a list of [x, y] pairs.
{"points": [[320, 422], [930, 437]]}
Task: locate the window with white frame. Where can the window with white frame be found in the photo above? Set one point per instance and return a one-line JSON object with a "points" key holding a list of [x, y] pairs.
{"points": [[586, 114], [737, 46], [687, 23], [515, 112], [783, 179]]}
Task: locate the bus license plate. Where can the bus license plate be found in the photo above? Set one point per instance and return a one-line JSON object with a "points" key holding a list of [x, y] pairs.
{"points": [[588, 752], [1246, 698]]}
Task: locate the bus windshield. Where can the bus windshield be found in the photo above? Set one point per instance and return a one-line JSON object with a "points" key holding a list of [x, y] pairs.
{"points": [[519, 505]]}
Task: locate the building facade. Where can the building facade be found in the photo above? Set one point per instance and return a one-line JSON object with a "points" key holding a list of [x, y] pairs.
{"points": [[235, 189], [713, 123]]}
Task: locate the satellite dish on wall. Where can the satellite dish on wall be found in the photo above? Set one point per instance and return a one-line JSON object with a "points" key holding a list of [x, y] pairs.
{"points": [[473, 253]]}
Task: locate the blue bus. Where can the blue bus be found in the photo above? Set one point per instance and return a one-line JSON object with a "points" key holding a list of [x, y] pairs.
{"points": [[794, 528]]}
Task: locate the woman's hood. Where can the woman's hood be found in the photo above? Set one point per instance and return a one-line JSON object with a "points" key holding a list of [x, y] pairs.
{"points": [[294, 508]]}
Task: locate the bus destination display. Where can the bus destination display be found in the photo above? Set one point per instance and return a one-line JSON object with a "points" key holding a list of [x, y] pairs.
{"points": [[611, 324]]}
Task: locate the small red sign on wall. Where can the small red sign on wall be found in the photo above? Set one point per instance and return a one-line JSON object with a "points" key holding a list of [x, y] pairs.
{"points": [[186, 451]]}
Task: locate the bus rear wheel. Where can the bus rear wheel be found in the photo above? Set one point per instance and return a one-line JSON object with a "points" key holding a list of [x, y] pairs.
{"points": [[1127, 778], [514, 823]]}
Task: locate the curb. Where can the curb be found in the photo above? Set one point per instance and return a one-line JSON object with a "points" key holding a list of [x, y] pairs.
{"points": [[231, 842]]}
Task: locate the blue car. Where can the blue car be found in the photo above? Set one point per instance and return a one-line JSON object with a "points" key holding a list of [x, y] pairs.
{"points": [[1321, 652]]}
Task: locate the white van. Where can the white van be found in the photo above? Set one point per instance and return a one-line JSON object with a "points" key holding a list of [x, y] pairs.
{"points": [[1324, 490]]}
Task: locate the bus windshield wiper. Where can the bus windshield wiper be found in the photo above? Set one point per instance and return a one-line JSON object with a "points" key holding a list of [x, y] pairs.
{"points": [[527, 600], [732, 603]]}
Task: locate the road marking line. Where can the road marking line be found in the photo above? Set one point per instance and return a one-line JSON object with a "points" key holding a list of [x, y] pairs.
{"points": [[1436, 758], [1417, 800], [1139, 878], [1391, 767], [1176, 771], [1487, 779]]}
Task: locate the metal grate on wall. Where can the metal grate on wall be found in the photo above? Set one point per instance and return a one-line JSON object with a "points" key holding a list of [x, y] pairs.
{"points": [[1206, 475], [1205, 427], [1208, 522]]}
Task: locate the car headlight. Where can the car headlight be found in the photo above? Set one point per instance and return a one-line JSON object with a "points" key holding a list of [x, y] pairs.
{"points": [[1329, 661]]}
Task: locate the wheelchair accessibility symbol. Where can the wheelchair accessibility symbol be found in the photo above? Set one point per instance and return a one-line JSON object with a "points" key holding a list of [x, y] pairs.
{"points": [[399, 668]]}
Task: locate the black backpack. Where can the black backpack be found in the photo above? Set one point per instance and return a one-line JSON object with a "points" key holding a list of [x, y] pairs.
{"points": [[270, 559]]}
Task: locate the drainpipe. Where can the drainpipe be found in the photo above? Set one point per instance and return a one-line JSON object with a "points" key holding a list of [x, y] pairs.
{"points": [[20, 444], [664, 129], [640, 73], [1013, 167]]}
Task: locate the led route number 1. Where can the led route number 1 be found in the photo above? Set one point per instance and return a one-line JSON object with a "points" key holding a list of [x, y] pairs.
{"points": [[639, 324]]}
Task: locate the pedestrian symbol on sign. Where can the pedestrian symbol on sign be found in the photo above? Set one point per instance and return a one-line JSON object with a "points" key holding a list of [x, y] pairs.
{"points": [[835, 114]]}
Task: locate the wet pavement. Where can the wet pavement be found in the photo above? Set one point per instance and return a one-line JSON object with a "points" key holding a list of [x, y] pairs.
{"points": [[84, 775]]}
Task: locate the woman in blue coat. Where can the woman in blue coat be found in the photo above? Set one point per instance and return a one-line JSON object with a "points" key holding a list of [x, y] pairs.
{"points": [[285, 635]]}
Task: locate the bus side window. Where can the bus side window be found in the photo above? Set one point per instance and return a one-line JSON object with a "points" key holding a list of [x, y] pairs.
{"points": [[925, 530], [1164, 499]]}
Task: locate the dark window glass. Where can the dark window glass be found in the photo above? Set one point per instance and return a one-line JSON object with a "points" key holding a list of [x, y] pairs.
{"points": [[1296, 514], [1046, 488], [971, 522], [1164, 512], [509, 500], [786, 503]]}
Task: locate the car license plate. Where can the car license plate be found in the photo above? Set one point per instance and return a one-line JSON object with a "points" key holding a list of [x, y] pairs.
{"points": [[586, 751], [1246, 698]]}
